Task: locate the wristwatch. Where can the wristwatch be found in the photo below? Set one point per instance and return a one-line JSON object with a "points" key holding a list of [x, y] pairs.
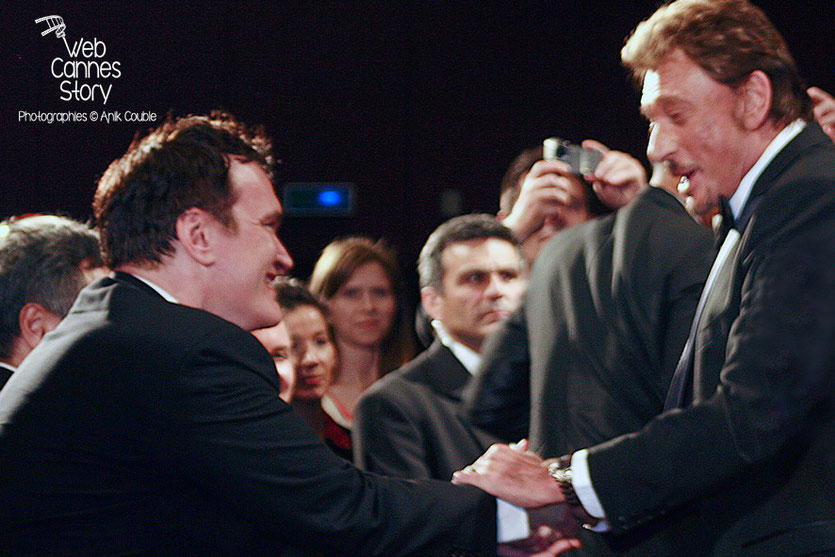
{"points": [[560, 470]]}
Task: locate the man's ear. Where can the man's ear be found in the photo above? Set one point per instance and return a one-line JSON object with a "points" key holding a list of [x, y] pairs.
{"points": [[195, 231], [432, 302], [35, 321], [754, 101]]}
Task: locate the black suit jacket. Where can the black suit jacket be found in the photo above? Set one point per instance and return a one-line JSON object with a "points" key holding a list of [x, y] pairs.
{"points": [[752, 456], [408, 423], [141, 426], [591, 353]]}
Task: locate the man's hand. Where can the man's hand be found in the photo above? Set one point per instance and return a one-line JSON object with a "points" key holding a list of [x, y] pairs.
{"points": [[546, 542], [548, 190], [824, 108], [516, 476], [618, 178]]}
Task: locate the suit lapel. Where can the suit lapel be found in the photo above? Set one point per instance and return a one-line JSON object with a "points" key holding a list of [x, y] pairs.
{"points": [[448, 375]]}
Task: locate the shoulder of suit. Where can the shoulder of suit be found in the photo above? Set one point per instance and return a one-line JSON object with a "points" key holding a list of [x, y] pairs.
{"points": [[140, 309], [414, 376], [801, 196]]}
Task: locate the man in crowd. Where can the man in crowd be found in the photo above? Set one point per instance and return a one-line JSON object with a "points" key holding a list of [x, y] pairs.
{"points": [[150, 420], [541, 197], [743, 460], [407, 424], [45, 260]]}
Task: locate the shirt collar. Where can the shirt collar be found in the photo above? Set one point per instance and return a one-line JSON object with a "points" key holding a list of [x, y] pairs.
{"points": [[10, 367], [468, 357], [743, 191], [168, 297]]}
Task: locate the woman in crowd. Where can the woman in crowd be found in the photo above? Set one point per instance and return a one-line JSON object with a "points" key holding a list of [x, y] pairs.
{"points": [[359, 281], [314, 354], [276, 340]]}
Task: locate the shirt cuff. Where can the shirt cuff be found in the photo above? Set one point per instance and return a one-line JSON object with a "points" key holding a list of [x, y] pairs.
{"points": [[511, 522], [581, 482]]}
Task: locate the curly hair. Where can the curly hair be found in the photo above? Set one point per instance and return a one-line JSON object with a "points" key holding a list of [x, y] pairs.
{"points": [[184, 163]]}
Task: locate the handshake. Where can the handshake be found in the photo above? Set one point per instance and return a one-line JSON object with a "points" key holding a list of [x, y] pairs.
{"points": [[519, 476]]}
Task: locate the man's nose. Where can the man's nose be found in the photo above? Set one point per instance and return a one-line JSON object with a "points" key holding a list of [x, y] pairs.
{"points": [[283, 261], [495, 286], [661, 144]]}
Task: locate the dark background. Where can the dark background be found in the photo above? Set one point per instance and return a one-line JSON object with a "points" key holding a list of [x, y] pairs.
{"points": [[406, 99]]}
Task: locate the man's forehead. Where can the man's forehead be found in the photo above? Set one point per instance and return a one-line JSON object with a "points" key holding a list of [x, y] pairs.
{"points": [[472, 255], [249, 180], [651, 89]]}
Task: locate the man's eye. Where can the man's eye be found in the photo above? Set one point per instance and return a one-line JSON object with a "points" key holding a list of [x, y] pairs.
{"points": [[475, 278]]}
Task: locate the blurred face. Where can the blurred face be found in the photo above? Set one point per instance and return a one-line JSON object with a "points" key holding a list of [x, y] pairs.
{"points": [[482, 285], [314, 352], [559, 218], [249, 257], [362, 310], [695, 127], [276, 340]]}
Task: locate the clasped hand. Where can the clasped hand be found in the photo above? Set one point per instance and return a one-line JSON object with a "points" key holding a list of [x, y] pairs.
{"points": [[519, 476]]}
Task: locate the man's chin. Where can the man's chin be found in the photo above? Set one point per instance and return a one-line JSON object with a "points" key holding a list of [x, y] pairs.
{"points": [[700, 207], [267, 320]]}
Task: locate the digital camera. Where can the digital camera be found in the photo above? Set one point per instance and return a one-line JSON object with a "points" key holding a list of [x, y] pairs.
{"points": [[582, 161]]}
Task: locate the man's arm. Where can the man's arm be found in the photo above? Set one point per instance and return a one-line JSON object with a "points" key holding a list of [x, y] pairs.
{"points": [[777, 370], [235, 438], [773, 389], [497, 399]]}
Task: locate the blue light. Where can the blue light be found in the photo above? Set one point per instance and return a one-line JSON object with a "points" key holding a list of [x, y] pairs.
{"points": [[329, 198]]}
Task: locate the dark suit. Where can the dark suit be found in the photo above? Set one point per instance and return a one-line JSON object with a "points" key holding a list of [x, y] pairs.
{"points": [[608, 309], [752, 455], [141, 426], [408, 423]]}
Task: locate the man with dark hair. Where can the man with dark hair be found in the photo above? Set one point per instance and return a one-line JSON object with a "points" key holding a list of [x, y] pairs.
{"points": [[45, 260], [743, 460], [150, 420], [539, 198], [407, 424]]}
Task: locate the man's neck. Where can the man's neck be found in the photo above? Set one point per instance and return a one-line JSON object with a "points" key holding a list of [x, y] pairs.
{"points": [[8, 363], [20, 349], [179, 285], [739, 198], [467, 355]]}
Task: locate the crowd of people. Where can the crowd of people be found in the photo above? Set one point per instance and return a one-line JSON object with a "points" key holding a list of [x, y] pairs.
{"points": [[615, 365]]}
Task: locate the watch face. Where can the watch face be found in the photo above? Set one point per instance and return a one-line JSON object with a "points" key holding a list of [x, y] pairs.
{"points": [[560, 474]]}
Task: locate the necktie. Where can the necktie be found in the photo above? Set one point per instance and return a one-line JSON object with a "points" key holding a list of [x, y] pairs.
{"points": [[727, 222], [681, 377]]}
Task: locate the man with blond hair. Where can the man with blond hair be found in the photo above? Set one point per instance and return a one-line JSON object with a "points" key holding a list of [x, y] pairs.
{"points": [[742, 462]]}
